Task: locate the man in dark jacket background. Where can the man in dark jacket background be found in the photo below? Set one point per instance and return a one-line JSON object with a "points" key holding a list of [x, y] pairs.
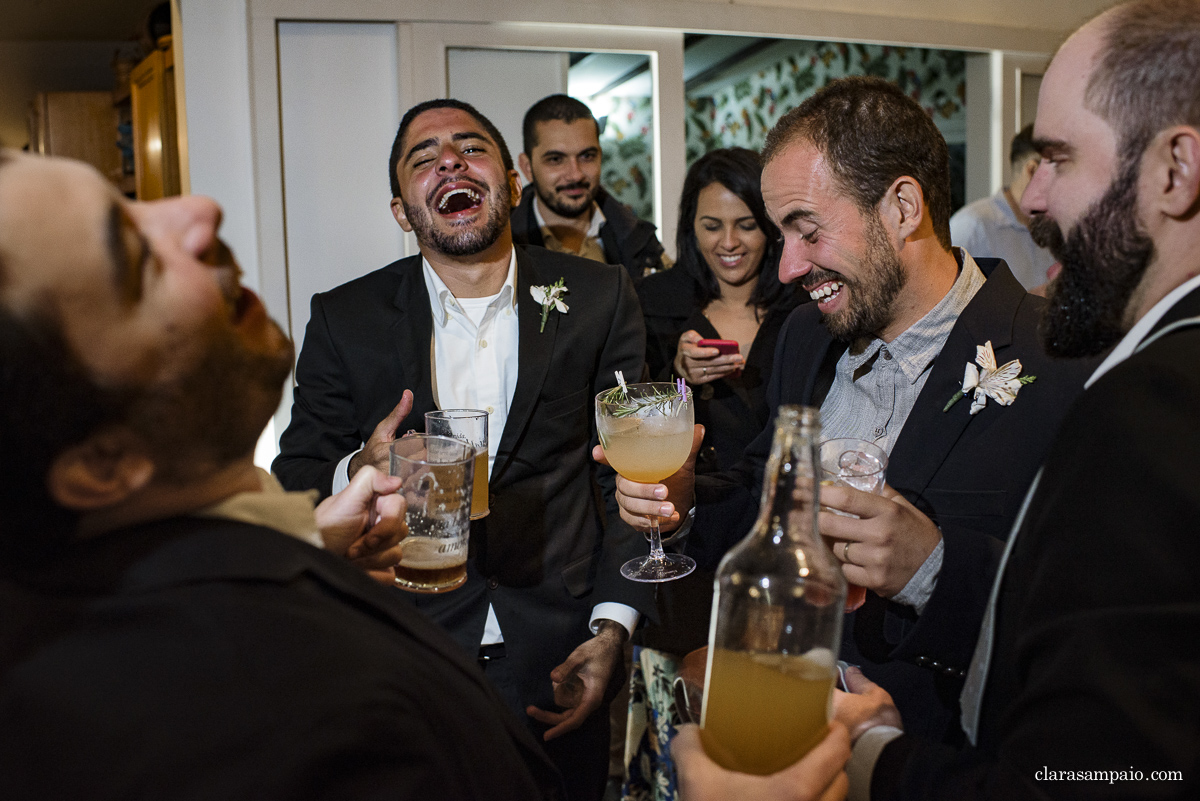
{"points": [[569, 211]]}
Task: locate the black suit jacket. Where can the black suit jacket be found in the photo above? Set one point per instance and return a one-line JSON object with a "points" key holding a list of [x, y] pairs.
{"points": [[1096, 660], [551, 548], [967, 472], [210, 659]]}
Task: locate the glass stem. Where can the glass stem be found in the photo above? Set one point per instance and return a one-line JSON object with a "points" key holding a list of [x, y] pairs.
{"points": [[656, 549]]}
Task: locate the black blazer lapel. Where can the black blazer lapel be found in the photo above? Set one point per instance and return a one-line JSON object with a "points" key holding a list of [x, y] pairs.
{"points": [[412, 334], [820, 380], [929, 434], [534, 354]]}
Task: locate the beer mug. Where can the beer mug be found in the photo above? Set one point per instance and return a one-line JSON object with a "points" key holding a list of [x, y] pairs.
{"points": [[470, 426], [438, 474]]}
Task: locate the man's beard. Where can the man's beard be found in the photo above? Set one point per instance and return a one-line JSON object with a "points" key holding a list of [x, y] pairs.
{"points": [[560, 207], [870, 308], [466, 242], [1103, 260], [212, 415]]}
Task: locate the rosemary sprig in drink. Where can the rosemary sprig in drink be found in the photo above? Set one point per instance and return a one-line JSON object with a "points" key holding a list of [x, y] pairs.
{"points": [[627, 405]]}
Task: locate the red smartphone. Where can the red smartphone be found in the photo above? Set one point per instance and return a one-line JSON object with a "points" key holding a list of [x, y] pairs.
{"points": [[725, 346]]}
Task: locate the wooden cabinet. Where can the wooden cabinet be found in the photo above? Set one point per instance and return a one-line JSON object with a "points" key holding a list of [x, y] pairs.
{"points": [[78, 125], [155, 138]]}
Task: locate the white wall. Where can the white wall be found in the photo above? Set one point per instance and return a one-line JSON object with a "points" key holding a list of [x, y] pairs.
{"points": [[339, 111], [212, 37], [503, 83], [217, 81]]}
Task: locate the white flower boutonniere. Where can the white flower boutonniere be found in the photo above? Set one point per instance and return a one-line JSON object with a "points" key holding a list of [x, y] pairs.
{"points": [[550, 297], [1001, 384]]}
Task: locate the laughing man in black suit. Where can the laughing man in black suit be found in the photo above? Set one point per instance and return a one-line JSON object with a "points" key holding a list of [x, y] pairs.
{"points": [[459, 327]]}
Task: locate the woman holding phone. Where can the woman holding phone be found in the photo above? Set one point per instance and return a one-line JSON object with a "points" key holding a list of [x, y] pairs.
{"points": [[714, 317]]}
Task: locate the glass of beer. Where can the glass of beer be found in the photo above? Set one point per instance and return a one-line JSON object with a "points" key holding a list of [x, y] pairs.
{"points": [[470, 426], [438, 474], [858, 464]]}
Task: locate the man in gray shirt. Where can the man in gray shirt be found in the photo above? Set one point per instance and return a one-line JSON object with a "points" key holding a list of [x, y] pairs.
{"points": [[857, 179], [995, 226]]}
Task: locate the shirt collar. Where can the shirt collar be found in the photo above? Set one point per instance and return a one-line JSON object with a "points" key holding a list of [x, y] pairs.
{"points": [[593, 232], [1006, 211], [916, 348], [441, 299], [273, 507], [1129, 343]]}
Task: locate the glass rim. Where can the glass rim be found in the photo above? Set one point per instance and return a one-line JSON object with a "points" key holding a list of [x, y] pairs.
{"points": [[468, 447], [882, 455], [642, 385], [456, 414]]}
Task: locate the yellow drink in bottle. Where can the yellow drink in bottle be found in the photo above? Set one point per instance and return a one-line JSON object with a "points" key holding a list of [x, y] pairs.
{"points": [[764, 711]]}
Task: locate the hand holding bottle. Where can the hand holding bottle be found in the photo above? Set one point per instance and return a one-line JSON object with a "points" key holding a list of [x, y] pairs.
{"points": [[819, 776], [866, 706]]}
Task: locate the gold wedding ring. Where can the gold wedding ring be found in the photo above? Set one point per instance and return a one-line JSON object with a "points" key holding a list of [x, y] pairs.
{"points": [[846, 552]]}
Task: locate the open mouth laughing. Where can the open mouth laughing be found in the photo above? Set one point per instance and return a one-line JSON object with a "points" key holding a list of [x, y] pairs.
{"points": [[457, 198]]}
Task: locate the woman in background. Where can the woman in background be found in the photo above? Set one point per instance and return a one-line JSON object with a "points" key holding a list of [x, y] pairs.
{"points": [[724, 285]]}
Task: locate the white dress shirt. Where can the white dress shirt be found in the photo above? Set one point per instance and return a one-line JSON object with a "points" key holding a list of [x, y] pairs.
{"points": [[475, 366], [989, 228]]}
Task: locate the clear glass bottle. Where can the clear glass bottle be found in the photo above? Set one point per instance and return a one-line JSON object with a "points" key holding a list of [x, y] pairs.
{"points": [[777, 618]]}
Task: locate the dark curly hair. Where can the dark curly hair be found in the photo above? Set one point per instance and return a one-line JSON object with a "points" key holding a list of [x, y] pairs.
{"points": [[739, 170]]}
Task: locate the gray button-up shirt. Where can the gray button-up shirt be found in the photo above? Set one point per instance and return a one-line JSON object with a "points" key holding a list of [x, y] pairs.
{"points": [[876, 385]]}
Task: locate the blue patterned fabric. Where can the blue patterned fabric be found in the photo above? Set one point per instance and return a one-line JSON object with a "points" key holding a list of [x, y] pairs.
{"points": [[653, 719]]}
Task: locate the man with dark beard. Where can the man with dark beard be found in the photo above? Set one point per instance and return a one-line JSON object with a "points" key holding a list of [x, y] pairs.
{"points": [[1085, 682], [467, 325], [857, 178], [168, 629], [564, 207]]}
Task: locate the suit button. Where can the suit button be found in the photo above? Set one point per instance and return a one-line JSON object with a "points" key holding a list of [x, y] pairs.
{"points": [[493, 584]]}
